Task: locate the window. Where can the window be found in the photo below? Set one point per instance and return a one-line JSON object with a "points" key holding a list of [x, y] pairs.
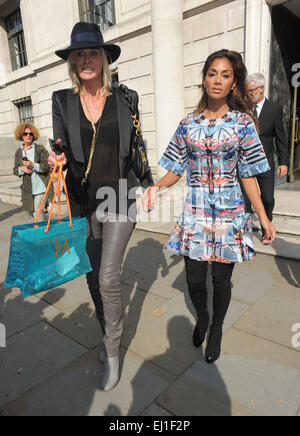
{"points": [[101, 12], [25, 110], [14, 28]]}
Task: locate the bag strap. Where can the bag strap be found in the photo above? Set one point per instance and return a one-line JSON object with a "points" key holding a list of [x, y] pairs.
{"points": [[94, 140], [56, 194], [135, 121]]}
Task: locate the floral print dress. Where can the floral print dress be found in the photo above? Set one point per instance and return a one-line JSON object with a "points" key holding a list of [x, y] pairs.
{"points": [[214, 225]]}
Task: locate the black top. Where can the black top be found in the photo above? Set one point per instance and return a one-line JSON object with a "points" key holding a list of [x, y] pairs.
{"points": [[105, 164]]}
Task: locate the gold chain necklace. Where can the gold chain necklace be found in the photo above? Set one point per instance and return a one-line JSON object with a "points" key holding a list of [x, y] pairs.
{"points": [[94, 140]]}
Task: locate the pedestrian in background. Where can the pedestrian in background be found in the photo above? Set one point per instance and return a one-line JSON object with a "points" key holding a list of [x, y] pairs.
{"points": [[31, 164], [212, 143], [272, 137]]}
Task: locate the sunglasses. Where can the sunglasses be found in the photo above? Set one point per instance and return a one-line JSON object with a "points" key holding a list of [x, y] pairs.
{"points": [[27, 133]]}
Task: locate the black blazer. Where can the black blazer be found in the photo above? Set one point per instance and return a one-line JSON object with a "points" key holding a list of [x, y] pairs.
{"points": [[270, 128], [66, 126]]}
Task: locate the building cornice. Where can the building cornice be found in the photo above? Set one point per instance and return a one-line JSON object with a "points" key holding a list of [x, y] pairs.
{"points": [[204, 8]]}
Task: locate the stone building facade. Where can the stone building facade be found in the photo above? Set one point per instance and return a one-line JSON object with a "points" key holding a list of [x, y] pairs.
{"points": [[164, 45]]}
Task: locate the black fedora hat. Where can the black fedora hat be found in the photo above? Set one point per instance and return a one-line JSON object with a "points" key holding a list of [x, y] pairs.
{"points": [[88, 35]]}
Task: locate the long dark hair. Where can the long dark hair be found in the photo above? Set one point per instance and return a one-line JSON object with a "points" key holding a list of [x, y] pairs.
{"points": [[238, 98]]}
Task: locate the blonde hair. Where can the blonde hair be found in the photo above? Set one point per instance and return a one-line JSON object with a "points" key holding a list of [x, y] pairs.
{"points": [[106, 73], [20, 129]]}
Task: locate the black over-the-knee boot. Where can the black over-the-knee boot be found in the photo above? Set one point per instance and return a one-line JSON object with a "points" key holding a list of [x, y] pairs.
{"points": [[94, 251], [221, 274], [97, 299], [196, 279]]}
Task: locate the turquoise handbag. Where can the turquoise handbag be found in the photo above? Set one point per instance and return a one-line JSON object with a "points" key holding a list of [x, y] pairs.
{"points": [[44, 255]]}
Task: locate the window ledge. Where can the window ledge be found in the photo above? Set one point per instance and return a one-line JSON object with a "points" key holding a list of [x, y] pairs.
{"points": [[19, 74]]}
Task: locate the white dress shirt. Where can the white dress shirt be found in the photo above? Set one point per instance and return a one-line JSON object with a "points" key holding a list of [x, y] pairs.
{"points": [[259, 107]]}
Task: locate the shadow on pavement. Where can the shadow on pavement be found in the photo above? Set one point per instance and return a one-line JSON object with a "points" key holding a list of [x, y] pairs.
{"points": [[10, 213], [190, 394], [133, 304], [289, 268], [47, 372]]}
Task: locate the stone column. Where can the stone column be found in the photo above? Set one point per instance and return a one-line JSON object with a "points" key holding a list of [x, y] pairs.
{"points": [[4, 57], [258, 39], [167, 38]]}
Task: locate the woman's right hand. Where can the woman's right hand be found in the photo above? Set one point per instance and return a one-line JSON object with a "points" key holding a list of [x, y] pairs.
{"points": [[270, 232], [53, 157]]}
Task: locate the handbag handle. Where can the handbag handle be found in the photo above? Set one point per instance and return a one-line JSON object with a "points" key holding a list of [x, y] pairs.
{"points": [[135, 120], [137, 126], [56, 194]]}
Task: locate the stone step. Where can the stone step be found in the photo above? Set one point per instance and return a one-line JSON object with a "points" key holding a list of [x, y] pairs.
{"points": [[10, 194], [286, 245], [287, 203], [286, 215], [284, 225]]}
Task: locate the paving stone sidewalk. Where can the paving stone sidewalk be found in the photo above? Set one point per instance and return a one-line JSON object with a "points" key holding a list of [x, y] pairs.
{"points": [[50, 364]]}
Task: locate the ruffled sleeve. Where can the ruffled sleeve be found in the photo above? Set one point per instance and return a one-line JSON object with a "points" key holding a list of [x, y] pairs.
{"points": [[252, 157], [175, 158]]}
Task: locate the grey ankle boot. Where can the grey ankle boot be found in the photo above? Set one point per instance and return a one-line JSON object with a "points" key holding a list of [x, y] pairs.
{"points": [[111, 372]]}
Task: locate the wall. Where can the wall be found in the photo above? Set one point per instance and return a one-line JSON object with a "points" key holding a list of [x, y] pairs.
{"points": [[45, 73], [8, 147], [208, 26], [206, 32]]}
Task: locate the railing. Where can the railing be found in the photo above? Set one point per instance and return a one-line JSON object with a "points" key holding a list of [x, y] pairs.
{"points": [[295, 141]]}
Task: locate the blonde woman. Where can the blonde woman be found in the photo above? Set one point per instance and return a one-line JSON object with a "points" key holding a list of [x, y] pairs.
{"points": [[92, 123], [31, 164]]}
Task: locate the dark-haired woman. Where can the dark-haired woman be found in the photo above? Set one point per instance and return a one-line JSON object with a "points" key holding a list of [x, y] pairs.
{"points": [[215, 141]]}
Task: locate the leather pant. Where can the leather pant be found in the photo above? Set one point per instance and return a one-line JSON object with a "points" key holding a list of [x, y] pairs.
{"points": [[106, 244]]}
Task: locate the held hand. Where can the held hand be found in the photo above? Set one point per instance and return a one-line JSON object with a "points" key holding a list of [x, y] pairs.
{"points": [[270, 234], [149, 199], [53, 157], [282, 171]]}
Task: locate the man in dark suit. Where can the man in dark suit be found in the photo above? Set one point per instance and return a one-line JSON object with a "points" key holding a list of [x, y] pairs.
{"points": [[272, 135]]}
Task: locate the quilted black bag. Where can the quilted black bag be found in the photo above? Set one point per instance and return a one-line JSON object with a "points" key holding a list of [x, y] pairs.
{"points": [[138, 154]]}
